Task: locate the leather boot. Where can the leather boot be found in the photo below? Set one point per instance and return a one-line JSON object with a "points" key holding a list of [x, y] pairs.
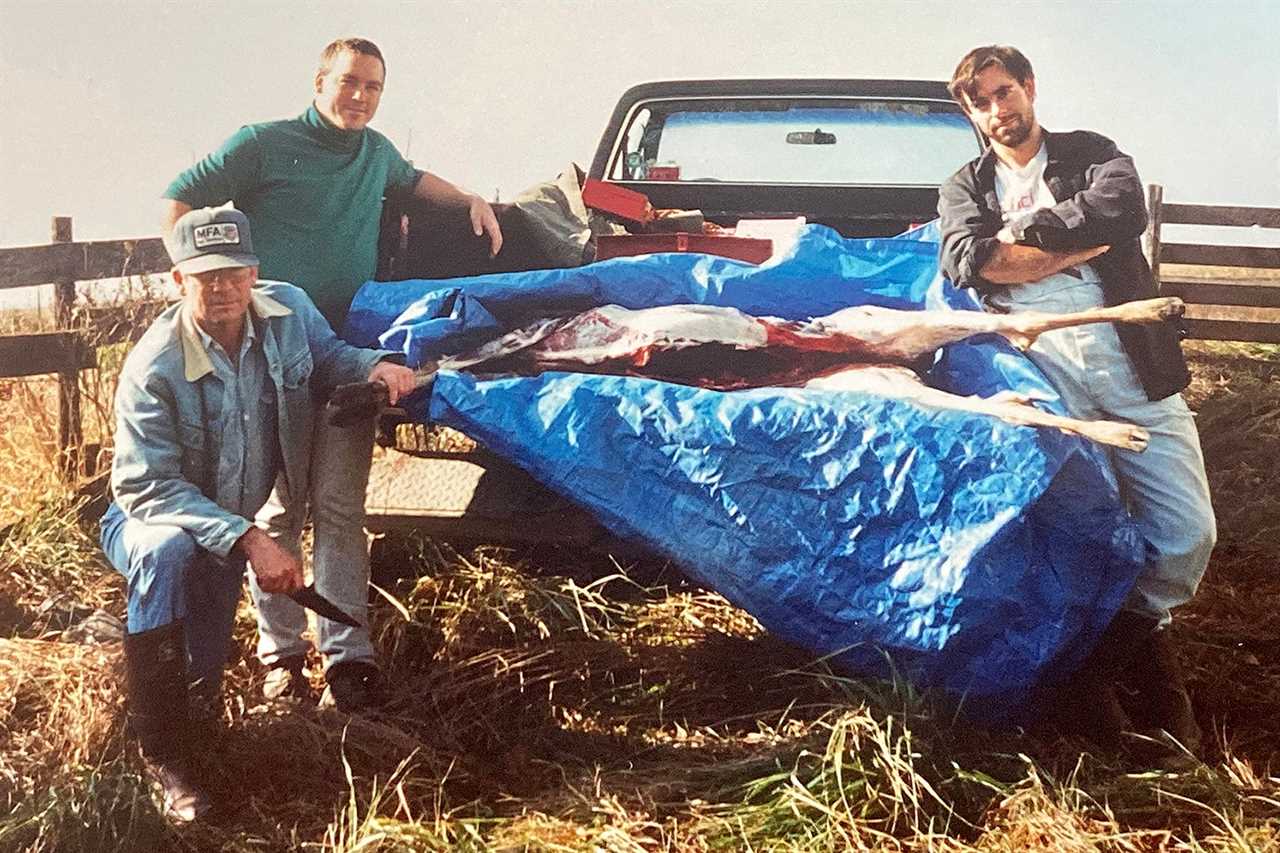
{"points": [[1160, 698], [156, 678], [1087, 704]]}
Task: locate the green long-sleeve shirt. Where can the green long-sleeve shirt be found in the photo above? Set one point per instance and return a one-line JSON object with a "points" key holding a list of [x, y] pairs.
{"points": [[313, 194]]}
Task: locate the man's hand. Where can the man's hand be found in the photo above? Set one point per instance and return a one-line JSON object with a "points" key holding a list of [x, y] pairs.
{"points": [[274, 567], [483, 221], [399, 379], [436, 190]]}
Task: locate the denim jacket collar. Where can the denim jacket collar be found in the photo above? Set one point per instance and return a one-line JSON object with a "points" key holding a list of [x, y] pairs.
{"points": [[195, 357]]}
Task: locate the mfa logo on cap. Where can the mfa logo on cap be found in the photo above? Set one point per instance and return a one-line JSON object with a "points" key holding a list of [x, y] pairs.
{"points": [[216, 234], [210, 239]]}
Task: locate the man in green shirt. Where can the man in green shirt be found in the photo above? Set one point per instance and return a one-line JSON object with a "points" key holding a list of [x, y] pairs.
{"points": [[312, 188]]}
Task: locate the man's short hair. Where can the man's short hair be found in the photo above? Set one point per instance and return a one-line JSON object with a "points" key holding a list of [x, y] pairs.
{"points": [[965, 79], [355, 45]]}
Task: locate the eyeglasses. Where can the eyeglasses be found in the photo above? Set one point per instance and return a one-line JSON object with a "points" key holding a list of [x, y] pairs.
{"points": [[228, 277]]}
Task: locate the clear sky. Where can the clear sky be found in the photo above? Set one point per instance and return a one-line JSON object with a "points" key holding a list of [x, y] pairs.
{"points": [[105, 102]]}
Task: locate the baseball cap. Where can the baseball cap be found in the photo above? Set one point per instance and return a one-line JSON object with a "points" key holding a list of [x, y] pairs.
{"points": [[210, 238]]}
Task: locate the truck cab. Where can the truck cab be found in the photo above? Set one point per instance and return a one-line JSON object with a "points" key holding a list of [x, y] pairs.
{"points": [[864, 157]]}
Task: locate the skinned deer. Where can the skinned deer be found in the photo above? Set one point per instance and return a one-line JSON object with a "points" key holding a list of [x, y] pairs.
{"points": [[866, 348]]}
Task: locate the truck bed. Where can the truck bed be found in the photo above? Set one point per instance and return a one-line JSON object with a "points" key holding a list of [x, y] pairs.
{"points": [[454, 489]]}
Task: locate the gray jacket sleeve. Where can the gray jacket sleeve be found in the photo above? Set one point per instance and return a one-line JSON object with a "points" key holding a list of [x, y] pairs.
{"points": [[968, 232], [336, 361]]}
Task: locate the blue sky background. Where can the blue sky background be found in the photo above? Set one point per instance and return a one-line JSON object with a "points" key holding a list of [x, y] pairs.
{"points": [[105, 102]]}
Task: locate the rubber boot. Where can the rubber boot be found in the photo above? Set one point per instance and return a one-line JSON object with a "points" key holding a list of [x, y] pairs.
{"points": [[158, 717], [1087, 704], [1161, 702]]}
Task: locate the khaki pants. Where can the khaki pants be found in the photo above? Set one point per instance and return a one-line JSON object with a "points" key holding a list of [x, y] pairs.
{"points": [[340, 463]]}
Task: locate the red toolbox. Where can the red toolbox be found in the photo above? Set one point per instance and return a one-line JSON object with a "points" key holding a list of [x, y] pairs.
{"points": [[751, 249], [617, 200]]}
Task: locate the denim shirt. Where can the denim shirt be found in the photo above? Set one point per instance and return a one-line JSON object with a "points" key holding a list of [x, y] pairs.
{"points": [[249, 456], [170, 419]]}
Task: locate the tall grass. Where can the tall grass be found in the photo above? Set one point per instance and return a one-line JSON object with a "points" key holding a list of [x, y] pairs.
{"points": [[29, 446], [563, 703]]}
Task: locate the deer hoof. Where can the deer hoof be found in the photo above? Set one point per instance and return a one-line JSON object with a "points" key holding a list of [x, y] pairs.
{"points": [[1172, 309], [1138, 440]]}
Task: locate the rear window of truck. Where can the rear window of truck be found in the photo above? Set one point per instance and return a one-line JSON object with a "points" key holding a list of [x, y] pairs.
{"points": [[808, 141]]}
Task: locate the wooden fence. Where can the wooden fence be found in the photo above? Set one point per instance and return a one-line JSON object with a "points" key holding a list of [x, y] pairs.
{"points": [[65, 352], [1221, 308]]}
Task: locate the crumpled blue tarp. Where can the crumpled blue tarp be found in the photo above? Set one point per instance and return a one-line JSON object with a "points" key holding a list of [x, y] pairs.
{"points": [[978, 557]]}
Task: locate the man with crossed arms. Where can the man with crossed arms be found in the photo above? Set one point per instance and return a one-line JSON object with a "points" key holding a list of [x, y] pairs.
{"points": [[1051, 222]]}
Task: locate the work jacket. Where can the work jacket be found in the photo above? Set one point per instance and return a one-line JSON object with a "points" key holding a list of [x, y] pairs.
{"points": [[169, 419], [1100, 201]]}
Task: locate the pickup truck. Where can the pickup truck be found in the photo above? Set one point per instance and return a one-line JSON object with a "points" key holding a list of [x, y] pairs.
{"points": [[865, 157]]}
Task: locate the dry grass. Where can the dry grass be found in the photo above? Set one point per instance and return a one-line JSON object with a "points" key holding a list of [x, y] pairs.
{"points": [[29, 445], [561, 701]]}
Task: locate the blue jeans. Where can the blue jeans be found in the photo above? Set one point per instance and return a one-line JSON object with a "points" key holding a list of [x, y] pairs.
{"points": [[172, 579], [340, 462]]}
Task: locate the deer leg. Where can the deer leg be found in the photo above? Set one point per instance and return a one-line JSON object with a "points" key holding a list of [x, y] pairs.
{"points": [[1023, 328], [903, 383], [1112, 433], [902, 336]]}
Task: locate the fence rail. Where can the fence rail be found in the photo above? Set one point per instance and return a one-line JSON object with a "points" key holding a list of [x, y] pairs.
{"points": [[62, 262], [1219, 308], [45, 352], [29, 266]]}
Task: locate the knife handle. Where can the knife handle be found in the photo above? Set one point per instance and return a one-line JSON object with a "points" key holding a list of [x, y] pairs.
{"points": [[354, 402]]}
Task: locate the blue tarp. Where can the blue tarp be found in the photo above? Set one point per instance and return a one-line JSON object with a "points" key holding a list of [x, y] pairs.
{"points": [[977, 556]]}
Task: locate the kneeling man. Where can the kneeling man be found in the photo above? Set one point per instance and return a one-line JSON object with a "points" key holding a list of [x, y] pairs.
{"points": [[215, 401]]}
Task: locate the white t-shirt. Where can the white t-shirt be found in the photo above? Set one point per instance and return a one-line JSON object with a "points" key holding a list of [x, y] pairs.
{"points": [[1023, 191]]}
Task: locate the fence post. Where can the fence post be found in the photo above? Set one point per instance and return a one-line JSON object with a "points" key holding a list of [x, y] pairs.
{"points": [[1155, 218], [69, 433]]}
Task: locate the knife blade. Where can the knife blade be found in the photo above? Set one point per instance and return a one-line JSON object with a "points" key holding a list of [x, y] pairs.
{"points": [[317, 603]]}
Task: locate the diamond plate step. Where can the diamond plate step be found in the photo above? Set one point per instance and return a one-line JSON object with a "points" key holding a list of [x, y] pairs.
{"points": [[471, 496]]}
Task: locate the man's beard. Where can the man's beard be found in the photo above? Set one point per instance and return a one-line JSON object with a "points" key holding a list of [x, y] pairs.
{"points": [[1013, 134]]}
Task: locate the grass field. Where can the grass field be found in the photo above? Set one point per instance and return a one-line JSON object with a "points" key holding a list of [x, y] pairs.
{"points": [[547, 700]]}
